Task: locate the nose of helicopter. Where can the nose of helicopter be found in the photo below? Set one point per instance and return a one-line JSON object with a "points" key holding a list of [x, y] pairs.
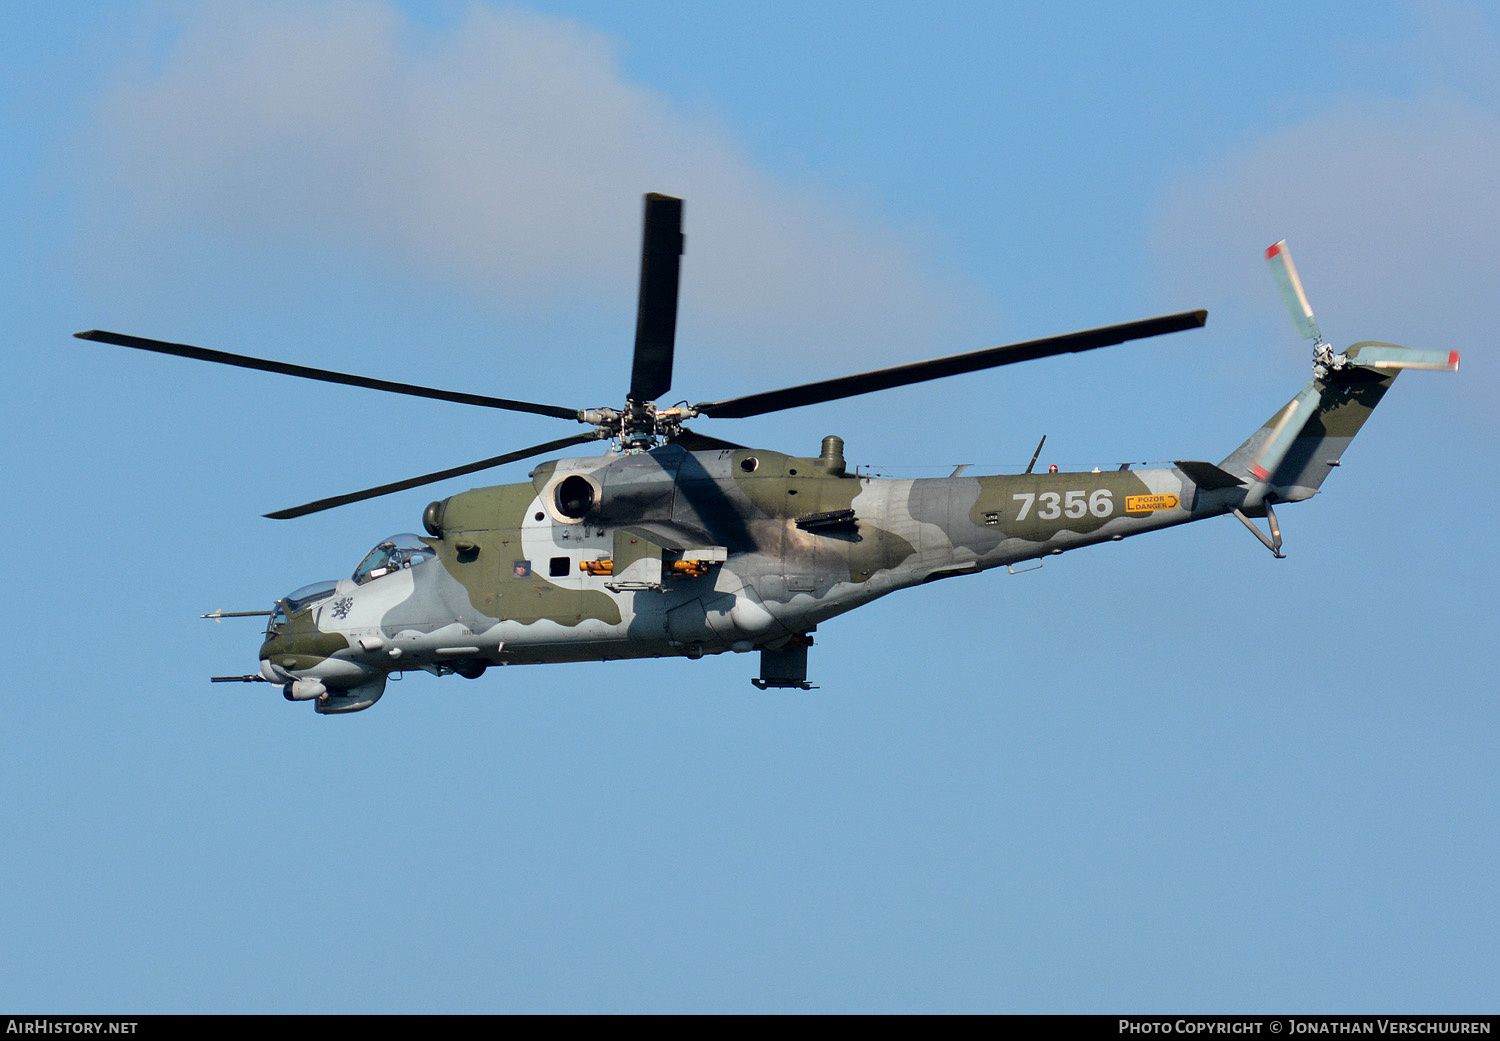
{"points": [[291, 646]]}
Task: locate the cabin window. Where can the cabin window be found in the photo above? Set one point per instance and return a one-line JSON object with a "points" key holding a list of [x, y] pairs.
{"points": [[559, 567]]}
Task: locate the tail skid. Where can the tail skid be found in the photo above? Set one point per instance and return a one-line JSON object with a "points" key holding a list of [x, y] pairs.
{"points": [[1271, 542]]}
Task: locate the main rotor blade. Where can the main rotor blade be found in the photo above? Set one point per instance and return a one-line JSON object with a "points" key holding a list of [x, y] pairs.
{"points": [[921, 371], [656, 311], [185, 350], [441, 475]]}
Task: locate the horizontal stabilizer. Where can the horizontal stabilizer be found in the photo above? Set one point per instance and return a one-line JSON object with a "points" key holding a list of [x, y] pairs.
{"points": [[1207, 476], [1371, 354]]}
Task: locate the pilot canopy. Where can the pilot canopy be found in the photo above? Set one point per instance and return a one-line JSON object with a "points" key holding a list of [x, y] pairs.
{"points": [[392, 554]]}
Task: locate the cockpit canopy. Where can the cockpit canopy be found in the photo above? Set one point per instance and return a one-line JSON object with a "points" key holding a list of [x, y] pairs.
{"points": [[393, 554], [298, 600], [308, 595]]}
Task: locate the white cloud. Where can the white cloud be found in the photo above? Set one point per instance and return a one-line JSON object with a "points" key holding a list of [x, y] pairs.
{"points": [[507, 153], [1389, 205], [1397, 197]]}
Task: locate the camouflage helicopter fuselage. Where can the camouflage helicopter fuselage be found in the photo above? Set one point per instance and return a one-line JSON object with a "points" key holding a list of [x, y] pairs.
{"points": [[670, 552], [679, 544]]}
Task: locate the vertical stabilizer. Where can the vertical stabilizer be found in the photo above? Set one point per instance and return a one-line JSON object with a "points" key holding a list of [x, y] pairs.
{"points": [[1325, 416]]}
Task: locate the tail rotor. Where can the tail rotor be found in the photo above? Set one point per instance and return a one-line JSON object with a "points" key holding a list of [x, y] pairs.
{"points": [[1369, 354], [1288, 424], [1328, 365]]}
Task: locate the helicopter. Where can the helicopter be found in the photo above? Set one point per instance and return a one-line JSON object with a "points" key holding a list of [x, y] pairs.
{"points": [[674, 543]]}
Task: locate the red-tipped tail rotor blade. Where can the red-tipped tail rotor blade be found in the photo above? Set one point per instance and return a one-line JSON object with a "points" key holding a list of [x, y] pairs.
{"points": [[1390, 356], [1279, 257], [1287, 426]]}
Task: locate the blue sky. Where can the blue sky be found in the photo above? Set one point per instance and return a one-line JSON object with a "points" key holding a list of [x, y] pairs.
{"points": [[1169, 774]]}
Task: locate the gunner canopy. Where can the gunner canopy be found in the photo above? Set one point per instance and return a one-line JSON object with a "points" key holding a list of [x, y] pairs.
{"points": [[295, 601]]}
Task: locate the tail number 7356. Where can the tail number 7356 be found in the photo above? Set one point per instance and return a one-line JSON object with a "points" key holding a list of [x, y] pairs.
{"points": [[1052, 505]]}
